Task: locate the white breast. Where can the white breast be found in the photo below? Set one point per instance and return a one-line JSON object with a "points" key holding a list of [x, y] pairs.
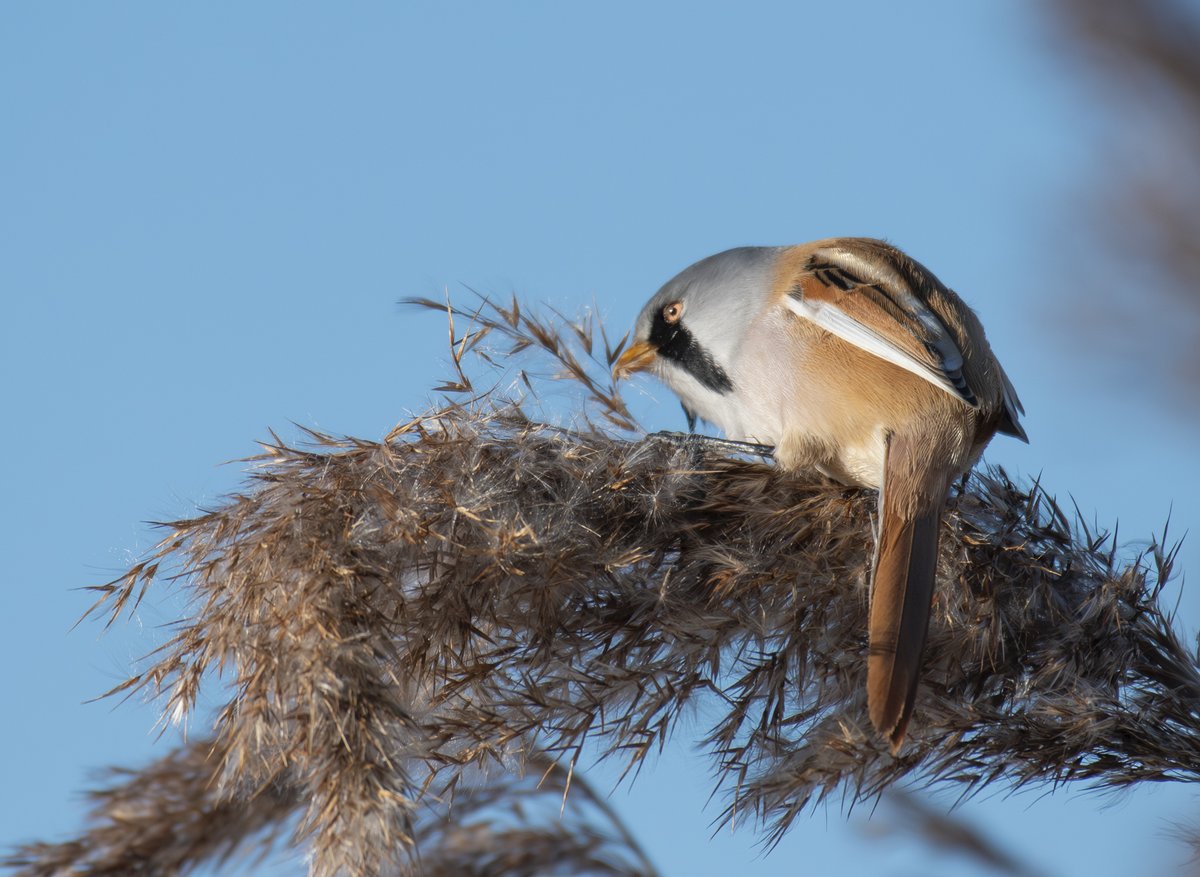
{"points": [[775, 401]]}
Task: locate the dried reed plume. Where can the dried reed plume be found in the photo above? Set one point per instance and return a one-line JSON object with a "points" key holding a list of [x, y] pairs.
{"points": [[1143, 206], [481, 590], [951, 833], [174, 814]]}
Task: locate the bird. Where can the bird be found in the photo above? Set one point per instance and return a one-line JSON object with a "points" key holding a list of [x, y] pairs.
{"points": [[852, 359]]}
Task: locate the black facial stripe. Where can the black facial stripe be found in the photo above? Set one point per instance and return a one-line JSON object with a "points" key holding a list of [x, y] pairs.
{"points": [[674, 342]]}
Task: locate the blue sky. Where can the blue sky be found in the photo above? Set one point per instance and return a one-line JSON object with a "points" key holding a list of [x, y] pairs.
{"points": [[210, 213]]}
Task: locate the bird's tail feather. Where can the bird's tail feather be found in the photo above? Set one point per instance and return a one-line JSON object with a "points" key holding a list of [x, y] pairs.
{"points": [[901, 595]]}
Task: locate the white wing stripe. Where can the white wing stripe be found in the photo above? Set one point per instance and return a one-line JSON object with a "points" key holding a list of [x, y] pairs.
{"points": [[835, 321]]}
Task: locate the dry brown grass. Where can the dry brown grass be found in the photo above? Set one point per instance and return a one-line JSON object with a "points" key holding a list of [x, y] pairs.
{"points": [[481, 591]]}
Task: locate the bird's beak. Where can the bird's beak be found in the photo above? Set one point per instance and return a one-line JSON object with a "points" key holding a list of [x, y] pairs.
{"points": [[637, 358]]}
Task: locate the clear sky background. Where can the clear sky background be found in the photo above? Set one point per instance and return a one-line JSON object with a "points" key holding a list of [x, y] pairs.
{"points": [[208, 213]]}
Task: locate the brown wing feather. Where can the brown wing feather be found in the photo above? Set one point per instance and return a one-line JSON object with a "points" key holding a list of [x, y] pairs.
{"points": [[879, 312], [894, 300]]}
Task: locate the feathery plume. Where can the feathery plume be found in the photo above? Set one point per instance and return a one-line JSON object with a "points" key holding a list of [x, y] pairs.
{"points": [[482, 591]]}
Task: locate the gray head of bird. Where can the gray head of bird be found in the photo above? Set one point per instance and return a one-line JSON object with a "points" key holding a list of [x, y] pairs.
{"points": [[690, 331]]}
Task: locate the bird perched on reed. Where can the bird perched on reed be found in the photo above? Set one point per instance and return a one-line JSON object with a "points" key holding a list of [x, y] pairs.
{"points": [[850, 358]]}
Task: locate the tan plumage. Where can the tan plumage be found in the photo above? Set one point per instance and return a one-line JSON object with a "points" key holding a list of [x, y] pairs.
{"points": [[850, 358]]}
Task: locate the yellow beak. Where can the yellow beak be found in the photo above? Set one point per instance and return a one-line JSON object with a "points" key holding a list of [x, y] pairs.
{"points": [[637, 358]]}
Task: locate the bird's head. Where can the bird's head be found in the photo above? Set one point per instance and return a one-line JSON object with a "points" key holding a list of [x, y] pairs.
{"points": [[689, 333]]}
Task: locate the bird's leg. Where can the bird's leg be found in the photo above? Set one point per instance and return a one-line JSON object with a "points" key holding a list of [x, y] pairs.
{"points": [[690, 415], [712, 443]]}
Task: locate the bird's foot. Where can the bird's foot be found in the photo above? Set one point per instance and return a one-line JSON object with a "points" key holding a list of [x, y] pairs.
{"points": [[712, 443]]}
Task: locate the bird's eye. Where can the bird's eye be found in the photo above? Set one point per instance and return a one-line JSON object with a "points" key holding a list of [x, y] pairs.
{"points": [[672, 312]]}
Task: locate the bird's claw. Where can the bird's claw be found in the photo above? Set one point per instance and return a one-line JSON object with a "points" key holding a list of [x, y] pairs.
{"points": [[712, 443]]}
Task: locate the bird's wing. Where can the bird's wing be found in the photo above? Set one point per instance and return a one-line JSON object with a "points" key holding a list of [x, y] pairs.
{"points": [[857, 295], [1010, 422]]}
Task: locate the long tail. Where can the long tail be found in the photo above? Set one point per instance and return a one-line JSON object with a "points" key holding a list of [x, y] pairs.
{"points": [[901, 595]]}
